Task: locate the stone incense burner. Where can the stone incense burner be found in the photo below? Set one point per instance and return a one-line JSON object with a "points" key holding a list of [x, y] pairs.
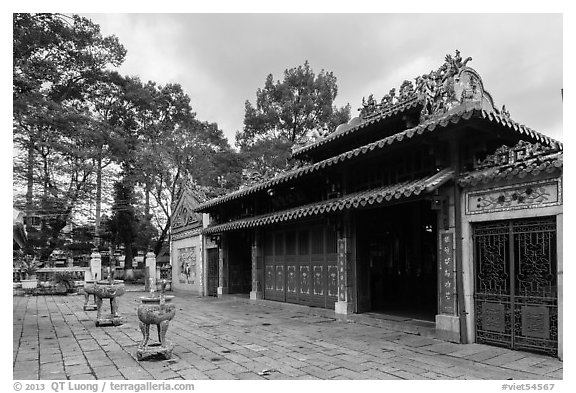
{"points": [[155, 309], [89, 289], [109, 289]]}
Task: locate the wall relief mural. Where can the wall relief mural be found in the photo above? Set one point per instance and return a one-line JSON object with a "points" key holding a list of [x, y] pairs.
{"points": [[187, 265]]}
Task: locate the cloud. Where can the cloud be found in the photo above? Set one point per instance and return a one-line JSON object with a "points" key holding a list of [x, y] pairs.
{"points": [[222, 59]]}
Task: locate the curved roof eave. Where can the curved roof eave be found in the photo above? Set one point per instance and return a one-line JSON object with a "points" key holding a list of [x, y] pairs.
{"points": [[398, 108], [452, 117], [533, 167], [372, 197]]}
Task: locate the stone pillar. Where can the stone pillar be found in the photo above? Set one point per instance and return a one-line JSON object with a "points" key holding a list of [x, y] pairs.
{"points": [[95, 266], [257, 263], [345, 303], [150, 281], [223, 266], [560, 267]]}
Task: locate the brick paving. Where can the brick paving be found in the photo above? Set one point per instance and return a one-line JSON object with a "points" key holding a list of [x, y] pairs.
{"points": [[234, 338]]}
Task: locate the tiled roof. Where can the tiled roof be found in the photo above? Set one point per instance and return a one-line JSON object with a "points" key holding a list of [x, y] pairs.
{"points": [[351, 201], [520, 128], [522, 169], [398, 108], [428, 126]]}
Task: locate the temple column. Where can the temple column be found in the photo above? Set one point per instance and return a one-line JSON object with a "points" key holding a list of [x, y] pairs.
{"points": [[257, 266], [560, 268], [223, 266], [345, 303]]}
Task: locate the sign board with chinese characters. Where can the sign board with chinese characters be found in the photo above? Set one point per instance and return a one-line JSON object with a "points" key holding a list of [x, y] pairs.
{"points": [[446, 274]]}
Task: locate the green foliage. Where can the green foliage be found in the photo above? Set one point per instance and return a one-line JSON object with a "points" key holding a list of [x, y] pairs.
{"points": [[27, 264], [123, 216], [63, 279], [75, 119], [267, 156], [287, 112], [56, 61]]}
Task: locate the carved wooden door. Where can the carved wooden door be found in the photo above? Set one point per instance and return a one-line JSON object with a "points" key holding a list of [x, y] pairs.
{"points": [[516, 294], [212, 271], [301, 266]]}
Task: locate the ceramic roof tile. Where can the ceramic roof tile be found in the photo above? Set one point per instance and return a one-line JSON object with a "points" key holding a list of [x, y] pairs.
{"points": [[354, 200], [426, 127], [400, 107], [533, 166]]}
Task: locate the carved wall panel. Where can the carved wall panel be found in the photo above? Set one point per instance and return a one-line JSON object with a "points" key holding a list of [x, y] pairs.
{"points": [[523, 196], [187, 265]]}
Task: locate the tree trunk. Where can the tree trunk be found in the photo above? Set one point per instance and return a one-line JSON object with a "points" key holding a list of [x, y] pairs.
{"points": [[147, 200], [98, 199], [160, 241], [30, 184], [129, 256], [44, 204]]}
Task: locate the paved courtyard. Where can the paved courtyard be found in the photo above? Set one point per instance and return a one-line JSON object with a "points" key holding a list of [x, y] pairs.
{"points": [[233, 338]]}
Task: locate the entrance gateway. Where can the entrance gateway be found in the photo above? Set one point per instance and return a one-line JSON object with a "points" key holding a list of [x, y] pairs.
{"points": [[516, 292]]}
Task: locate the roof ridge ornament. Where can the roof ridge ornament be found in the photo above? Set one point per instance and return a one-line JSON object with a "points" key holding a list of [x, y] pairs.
{"points": [[505, 113], [440, 90], [520, 152]]}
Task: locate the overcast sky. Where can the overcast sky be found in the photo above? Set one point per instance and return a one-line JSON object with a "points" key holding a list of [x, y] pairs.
{"points": [[222, 59]]}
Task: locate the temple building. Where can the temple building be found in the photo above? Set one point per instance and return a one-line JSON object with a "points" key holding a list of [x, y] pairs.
{"points": [[432, 205]]}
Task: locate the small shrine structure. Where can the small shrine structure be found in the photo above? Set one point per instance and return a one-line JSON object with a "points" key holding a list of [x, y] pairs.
{"points": [[432, 207]]}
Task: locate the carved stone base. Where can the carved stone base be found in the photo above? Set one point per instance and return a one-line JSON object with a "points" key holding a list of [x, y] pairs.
{"points": [[90, 307], [109, 320], [155, 351], [343, 308]]}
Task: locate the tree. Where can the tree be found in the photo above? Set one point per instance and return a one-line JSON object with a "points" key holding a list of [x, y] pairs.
{"points": [[288, 112], [163, 143], [122, 225], [56, 59], [74, 118], [106, 95]]}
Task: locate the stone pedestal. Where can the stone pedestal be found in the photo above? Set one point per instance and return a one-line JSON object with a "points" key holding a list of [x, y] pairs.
{"points": [[89, 290], [155, 350], [95, 266], [159, 311], [448, 327], [150, 280], [109, 290], [343, 308]]}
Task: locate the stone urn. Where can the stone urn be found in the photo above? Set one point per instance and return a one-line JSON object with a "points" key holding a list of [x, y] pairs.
{"points": [[155, 310], [89, 289], [29, 284], [109, 289]]}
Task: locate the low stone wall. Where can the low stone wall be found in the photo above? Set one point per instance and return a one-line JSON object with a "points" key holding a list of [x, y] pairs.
{"points": [[46, 285]]}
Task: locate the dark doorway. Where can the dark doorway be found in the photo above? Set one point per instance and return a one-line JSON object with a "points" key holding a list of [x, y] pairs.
{"points": [[239, 262], [212, 255], [397, 252]]}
